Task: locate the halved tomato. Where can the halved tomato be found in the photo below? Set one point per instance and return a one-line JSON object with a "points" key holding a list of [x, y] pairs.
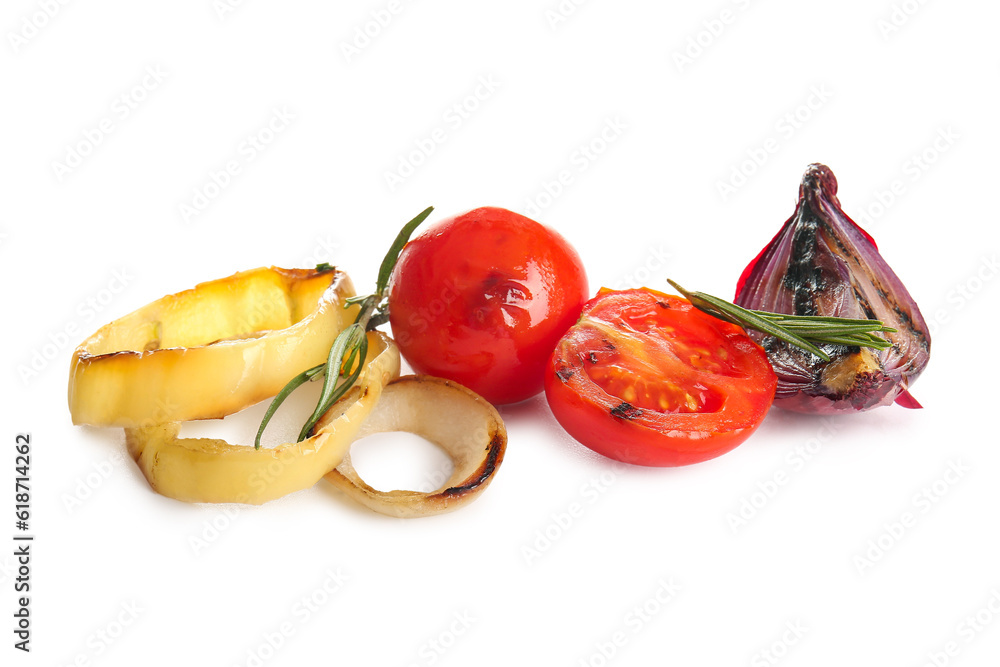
{"points": [[647, 378]]}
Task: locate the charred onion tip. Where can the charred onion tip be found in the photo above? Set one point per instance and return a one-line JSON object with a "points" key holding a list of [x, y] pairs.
{"points": [[820, 176]]}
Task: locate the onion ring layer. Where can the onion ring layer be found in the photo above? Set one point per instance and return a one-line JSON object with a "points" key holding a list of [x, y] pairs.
{"points": [[451, 416]]}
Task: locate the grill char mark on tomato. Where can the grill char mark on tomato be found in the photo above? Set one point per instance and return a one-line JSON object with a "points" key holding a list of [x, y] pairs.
{"points": [[671, 386], [626, 411], [685, 388], [565, 373]]}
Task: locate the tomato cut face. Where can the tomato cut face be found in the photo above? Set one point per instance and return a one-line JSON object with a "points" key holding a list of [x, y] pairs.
{"points": [[647, 378]]}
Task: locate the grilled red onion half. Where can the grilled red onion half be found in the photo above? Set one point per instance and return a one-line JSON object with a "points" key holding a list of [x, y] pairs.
{"points": [[821, 263]]}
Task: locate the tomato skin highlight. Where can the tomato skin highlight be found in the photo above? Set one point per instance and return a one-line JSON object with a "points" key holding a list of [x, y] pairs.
{"points": [[482, 298], [646, 378]]}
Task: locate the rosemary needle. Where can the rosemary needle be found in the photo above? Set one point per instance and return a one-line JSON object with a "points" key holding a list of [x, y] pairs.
{"points": [[350, 348], [804, 331]]}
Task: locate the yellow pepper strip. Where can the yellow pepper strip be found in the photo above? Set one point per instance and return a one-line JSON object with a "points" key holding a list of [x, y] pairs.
{"points": [[213, 471], [209, 351]]}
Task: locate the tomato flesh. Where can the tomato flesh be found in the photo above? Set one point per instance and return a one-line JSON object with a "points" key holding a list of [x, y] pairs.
{"points": [[482, 298], [646, 378]]}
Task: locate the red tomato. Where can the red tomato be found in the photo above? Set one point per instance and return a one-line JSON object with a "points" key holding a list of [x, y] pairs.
{"points": [[482, 298], [647, 378]]}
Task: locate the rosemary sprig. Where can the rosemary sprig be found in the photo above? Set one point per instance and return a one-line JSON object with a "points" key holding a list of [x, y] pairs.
{"points": [[350, 349], [802, 331]]}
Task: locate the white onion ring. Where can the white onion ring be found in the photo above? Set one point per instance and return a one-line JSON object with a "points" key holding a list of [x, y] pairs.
{"points": [[465, 425]]}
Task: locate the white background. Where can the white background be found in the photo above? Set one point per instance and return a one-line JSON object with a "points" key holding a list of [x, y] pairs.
{"points": [[870, 86]]}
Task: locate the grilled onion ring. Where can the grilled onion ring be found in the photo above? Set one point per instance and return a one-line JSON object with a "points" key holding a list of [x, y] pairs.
{"points": [[206, 470], [209, 351], [446, 413]]}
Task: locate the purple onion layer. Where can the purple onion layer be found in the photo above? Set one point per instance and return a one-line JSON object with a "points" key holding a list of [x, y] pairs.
{"points": [[822, 263]]}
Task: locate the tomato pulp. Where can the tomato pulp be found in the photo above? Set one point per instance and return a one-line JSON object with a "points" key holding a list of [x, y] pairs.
{"points": [[647, 378], [482, 298]]}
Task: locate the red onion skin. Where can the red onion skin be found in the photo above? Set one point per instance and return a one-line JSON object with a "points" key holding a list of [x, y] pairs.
{"points": [[822, 263]]}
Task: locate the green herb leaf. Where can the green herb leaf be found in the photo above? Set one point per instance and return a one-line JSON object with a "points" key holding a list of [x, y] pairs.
{"points": [[293, 384], [350, 348], [391, 257], [803, 331], [344, 347]]}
